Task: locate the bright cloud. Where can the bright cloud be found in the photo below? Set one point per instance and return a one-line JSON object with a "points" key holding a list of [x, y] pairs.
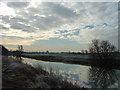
{"points": [[5, 10], [80, 22]]}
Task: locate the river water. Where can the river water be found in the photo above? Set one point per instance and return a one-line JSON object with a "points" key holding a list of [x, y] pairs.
{"points": [[82, 75]]}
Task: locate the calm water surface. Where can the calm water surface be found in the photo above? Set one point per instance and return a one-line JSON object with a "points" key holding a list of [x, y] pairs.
{"points": [[84, 75]]}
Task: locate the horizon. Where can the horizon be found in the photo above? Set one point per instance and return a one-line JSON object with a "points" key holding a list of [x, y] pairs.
{"points": [[57, 27]]}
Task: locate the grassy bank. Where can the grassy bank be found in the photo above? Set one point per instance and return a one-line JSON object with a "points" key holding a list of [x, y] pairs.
{"points": [[60, 58], [17, 74]]}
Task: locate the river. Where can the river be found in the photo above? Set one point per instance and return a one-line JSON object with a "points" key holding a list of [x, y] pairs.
{"points": [[90, 77]]}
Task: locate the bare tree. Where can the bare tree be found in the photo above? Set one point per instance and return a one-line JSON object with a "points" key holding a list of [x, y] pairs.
{"points": [[103, 51], [82, 51], [86, 51], [19, 51], [20, 48], [100, 47]]}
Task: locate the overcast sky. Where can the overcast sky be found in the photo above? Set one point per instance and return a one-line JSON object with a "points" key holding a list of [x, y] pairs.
{"points": [[57, 26]]}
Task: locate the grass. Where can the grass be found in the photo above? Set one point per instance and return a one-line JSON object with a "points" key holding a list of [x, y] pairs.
{"points": [[17, 74]]}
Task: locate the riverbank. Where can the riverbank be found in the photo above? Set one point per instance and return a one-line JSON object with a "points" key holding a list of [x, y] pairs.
{"points": [[17, 74], [59, 58], [75, 60]]}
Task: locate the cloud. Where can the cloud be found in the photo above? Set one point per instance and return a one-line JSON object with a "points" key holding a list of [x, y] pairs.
{"points": [[80, 22], [3, 27], [22, 27], [17, 4], [5, 10], [103, 33], [14, 36], [5, 19], [13, 40], [18, 19], [60, 10], [49, 15]]}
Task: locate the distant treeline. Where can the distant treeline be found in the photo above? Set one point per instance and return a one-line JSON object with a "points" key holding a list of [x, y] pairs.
{"points": [[4, 51], [65, 53]]}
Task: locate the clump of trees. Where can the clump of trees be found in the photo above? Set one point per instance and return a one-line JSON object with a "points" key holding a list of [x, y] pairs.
{"points": [[19, 51], [102, 52], [84, 52], [100, 47]]}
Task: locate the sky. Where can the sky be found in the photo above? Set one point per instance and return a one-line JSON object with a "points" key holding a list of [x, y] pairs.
{"points": [[57, 26]]}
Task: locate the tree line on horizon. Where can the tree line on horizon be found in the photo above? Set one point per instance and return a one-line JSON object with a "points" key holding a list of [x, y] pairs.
{"points": [[96, 47]]}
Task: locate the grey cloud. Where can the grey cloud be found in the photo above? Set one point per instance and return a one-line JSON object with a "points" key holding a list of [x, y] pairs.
{"points": [[12, 37], [53, 17], [34, 10], [54, 9], [47, 22], [19, 19], [17, 4], [119, 6], [97, 11], [56, 15], [51, 9], [22, 27], [59, 10], [5, 19], [16, 37]]}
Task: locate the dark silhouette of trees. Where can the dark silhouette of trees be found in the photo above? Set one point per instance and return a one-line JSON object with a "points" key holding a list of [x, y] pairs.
{"points": [[86, 51], [19, 51], [47, 52], [102, 53], [101, 47], [82, 51], [20, 48]]}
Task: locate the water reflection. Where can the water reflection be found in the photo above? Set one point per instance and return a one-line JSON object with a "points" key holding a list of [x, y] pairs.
{"points": [[101, 77], [84, 75]]}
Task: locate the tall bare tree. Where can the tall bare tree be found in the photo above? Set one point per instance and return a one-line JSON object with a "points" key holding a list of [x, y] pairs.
{"points": [[20, 48], [103, 51], [19, 51]]}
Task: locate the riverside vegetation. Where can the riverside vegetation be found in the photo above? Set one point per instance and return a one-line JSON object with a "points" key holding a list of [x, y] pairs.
{"points": [[17, 74]]}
